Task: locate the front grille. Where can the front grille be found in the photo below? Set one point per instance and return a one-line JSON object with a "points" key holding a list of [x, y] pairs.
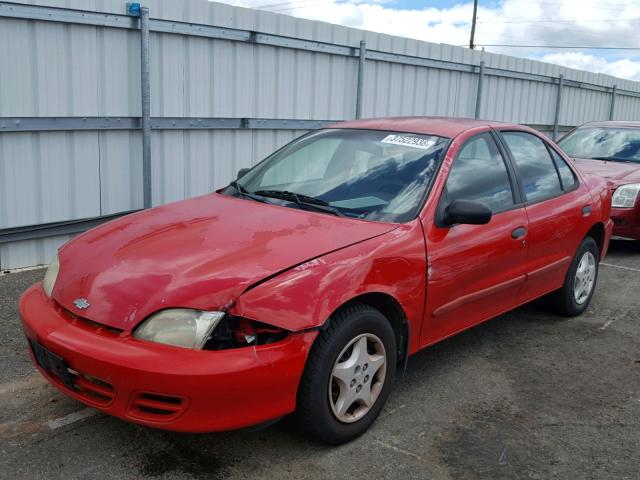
{"points": [[90, 324], [156, 407]]}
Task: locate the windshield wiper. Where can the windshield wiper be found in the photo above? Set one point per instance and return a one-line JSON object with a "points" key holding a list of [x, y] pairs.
{"points": [[244, 193], [612, 159], [302, 200], [298, 196]]}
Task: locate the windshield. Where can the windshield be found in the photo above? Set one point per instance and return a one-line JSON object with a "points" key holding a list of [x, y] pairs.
{"points": [[614, 144], [368, 174]]}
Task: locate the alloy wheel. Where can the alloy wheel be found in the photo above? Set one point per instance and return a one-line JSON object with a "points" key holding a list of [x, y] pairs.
{"points": [[357, 378], [585, 278]]}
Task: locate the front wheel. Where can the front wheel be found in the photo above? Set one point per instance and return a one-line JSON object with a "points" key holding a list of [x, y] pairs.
{"points": [[576, 293], [349, 374]]}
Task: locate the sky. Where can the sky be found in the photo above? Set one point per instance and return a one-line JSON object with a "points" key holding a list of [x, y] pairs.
{"points": [[540, 25]]}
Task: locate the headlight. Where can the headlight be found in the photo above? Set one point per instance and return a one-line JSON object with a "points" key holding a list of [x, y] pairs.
{"points": [[626, 196], [179, 327], [51, 275]]}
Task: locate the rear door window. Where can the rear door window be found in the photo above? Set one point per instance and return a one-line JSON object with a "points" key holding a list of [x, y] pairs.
{"points": [[537, 170]]}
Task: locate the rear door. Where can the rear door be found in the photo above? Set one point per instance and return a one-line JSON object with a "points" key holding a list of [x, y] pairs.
{"points": [[558, 209], [475, 271]]}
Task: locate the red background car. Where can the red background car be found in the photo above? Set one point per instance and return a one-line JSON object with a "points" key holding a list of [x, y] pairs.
{"points": [[612, 150], [304, 284]]}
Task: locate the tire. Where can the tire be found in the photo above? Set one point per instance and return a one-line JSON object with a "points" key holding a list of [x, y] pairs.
{"points": [[324, 409], [566, 301]]}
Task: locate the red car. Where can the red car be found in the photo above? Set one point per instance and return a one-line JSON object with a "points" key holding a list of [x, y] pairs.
{"points": [[612, 150], [307, 282]]}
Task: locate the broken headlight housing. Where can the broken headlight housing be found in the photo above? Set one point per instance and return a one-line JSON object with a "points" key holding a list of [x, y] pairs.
{"points": [[180, 327], [202, 330], [238, 332]]}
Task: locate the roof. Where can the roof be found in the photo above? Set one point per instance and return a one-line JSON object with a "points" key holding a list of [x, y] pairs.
{"points": [[441, 126], [613, 123]]}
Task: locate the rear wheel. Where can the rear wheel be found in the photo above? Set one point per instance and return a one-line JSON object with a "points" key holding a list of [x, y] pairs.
{"points": [[576, 293], [349, 374]]}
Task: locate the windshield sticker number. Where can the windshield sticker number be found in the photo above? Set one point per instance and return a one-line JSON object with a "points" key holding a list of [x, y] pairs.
{"points": [[408, 141]]}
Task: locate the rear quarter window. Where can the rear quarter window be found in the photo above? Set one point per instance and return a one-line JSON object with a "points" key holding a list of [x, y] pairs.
{"points": [[567, 177]]}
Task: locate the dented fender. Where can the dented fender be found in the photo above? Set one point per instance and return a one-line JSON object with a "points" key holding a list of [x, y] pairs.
{"points": [[305, 296]]}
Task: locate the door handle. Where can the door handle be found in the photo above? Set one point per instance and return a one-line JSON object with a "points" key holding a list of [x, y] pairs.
{"points": [[518, 233]]}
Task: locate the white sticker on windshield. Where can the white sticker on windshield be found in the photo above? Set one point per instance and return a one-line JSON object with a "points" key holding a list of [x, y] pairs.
{"points": [[409, 141]]}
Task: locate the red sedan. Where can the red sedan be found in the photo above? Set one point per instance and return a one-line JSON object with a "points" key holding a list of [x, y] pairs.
{"points": [[612, 150], [304, 284]]}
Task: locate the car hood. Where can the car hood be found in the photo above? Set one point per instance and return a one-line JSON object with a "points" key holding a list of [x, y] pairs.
{"points": [[617, 173], [200, 253]]}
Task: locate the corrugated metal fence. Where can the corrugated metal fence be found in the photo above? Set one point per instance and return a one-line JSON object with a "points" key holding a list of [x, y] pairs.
{"points": [[226, 87]]}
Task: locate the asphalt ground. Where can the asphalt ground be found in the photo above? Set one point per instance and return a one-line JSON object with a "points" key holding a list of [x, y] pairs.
{"points": [[527, 395]]}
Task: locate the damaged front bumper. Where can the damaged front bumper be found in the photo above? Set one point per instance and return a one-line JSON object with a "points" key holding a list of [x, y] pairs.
{"points": [[159, 385]]}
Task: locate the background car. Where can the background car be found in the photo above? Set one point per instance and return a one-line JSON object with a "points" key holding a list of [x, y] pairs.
{"points": [[305, 283], [612, 149]]}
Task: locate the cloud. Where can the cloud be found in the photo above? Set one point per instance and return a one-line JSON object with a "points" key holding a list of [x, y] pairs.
{"points": [[623, 68], [543, 24]]}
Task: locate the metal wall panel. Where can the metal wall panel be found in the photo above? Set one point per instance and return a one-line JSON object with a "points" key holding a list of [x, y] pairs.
{"points": [[55, 69], [120, 171], [118, 73], [49, 69], [581, 105], [189, 163], [30, 252], [48, 176], [627, 108]]}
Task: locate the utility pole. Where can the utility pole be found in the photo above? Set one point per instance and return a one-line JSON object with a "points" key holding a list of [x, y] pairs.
{"points": [[473, 25]]}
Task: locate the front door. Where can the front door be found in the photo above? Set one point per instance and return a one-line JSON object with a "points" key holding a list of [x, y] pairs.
{"points": [[476, 271]]}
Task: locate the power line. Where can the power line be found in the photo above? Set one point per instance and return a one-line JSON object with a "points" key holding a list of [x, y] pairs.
{"points": [[271, 5], [584, 33], [290, 4], [602, 5], [306, 6], [293, 5], [599, 5], [582, 47], [554, 21], [303, 4]]}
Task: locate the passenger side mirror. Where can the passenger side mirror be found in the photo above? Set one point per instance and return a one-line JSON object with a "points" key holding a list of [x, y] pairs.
{"points": [[467, 212], [241, 173]]}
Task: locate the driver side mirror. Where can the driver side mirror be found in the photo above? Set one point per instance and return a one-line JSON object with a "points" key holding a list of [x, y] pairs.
{"points": [[467, 212], [241, 173]]}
